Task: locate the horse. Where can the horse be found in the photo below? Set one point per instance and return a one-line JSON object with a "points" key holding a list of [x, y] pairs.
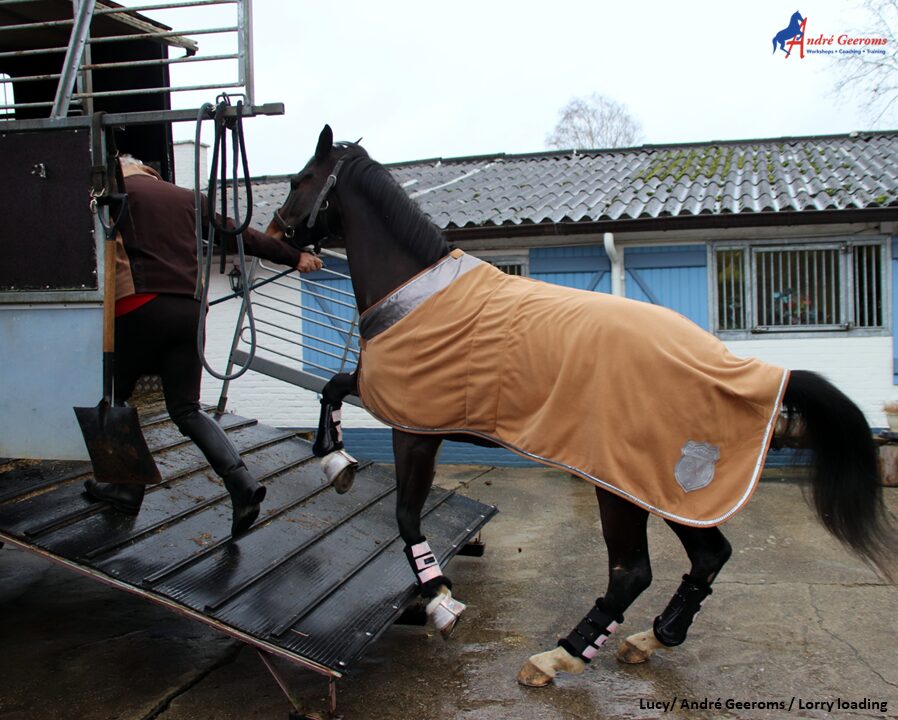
{"points": [[794, 30], [400, 263]]}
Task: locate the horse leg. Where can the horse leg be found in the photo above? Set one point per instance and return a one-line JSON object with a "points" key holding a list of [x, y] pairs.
{"points": [[339, 466], [630, 572], [415, 457], [708, 550]]}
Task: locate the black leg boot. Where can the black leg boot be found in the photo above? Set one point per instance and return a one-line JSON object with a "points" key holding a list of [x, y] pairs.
{"points": [[246, 493], [246, 496], [124, 497]]}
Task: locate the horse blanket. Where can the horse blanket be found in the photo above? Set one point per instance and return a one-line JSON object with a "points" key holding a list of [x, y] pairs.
{"points": [[632, 397]]}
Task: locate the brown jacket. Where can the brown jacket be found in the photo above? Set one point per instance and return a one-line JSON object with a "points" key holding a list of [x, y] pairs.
{"points": [[161, 252]]}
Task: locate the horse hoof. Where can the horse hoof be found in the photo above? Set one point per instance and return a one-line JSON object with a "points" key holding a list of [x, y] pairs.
{"points": [[631, 654], [339, 470], [445, 611], [531, 676]]}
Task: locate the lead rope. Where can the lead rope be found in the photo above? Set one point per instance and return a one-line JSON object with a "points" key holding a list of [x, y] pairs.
{"points": [[204, 273]]}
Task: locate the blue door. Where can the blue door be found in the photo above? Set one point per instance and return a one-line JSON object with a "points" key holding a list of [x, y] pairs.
{"points": [[673, 276]]}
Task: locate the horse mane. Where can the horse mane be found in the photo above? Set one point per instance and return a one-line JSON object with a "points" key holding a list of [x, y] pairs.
{"points": [[404, 218]]}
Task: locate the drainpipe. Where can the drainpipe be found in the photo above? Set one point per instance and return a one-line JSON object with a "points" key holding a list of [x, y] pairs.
{"points": [[617, 265]]}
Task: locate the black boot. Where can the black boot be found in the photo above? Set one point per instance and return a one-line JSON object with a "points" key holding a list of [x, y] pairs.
{"points": [[246, 496], [124, 497]]}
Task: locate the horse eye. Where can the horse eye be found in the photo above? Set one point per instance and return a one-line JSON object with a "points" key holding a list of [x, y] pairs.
{"points": [[294, 182]]}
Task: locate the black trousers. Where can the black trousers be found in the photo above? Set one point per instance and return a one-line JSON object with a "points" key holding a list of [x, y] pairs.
{"points": [[159, 338]]}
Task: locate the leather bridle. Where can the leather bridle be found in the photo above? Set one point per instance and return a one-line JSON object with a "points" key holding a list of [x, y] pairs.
{"points": [[319, 210]]}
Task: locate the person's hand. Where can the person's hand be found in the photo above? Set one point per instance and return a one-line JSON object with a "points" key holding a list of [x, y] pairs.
{"points": [[309, 262]]}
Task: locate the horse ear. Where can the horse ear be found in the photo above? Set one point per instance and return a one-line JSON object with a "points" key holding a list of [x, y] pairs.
{"points": [[325, 143]]}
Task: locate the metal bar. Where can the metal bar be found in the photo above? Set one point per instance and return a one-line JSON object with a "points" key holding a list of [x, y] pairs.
{"points": [[306, 347], [149, 117], [297, 707], [163, 6], [77, 41], [245, 67], [39, 51], [158, 90], [165, 34], [301, 334], [159, 61]]}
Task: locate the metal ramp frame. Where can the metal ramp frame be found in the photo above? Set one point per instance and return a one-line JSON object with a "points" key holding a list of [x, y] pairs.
{"points": [[317, 580]]}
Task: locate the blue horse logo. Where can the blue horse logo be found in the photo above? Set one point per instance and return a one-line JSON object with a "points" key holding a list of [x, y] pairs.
{"points": [[794, 35]]}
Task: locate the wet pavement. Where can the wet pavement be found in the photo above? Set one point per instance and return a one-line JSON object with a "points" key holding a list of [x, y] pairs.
{"points": [[794, 624]]}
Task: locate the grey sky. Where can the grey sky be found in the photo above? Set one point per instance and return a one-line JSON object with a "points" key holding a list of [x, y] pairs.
{"points": [[419, 80]]}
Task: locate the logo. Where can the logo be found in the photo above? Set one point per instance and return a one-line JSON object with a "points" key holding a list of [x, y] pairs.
{"points": [[695, 468], [792, 35], [843, 45]]}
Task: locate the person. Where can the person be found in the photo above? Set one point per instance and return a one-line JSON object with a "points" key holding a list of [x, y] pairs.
{"points": [[156, 323]]}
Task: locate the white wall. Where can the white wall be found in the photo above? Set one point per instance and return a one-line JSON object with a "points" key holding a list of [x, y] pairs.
{"points": [[185, 162], [861, 367]]}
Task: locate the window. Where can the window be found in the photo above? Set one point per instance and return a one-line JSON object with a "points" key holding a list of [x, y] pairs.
{"points": [[511, 263], [799, 287]]}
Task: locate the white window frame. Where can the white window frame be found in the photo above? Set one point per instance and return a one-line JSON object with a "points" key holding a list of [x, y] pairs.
{"points": [[845, 324]]}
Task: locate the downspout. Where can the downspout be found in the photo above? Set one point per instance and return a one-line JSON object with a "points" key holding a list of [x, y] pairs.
{"points": [[617, 265]]}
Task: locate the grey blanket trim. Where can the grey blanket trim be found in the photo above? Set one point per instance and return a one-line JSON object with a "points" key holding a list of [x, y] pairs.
{"points": [[393, 308]]}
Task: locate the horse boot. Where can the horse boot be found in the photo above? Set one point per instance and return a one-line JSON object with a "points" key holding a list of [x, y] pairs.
{"points": [[339, 466], [246, 497], [124, 497]]}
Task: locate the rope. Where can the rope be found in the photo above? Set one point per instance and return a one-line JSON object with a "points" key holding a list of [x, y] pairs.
{"points": [[204, 274]]}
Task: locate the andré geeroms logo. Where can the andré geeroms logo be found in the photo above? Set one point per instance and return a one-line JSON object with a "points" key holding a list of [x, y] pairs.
{"points": [[795, 35]]}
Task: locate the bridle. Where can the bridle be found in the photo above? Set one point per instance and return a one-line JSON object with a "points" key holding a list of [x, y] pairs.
{"points": [[319, 210]]}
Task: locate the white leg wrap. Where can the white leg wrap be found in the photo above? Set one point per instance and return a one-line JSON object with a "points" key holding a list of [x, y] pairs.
{"points": [[339, 469], [445, 610], [424, 562]]}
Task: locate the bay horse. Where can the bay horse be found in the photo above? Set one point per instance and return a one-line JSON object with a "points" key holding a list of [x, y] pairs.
{"points": [[403, 275]]}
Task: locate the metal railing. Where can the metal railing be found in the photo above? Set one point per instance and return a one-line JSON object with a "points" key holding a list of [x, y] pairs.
{"points": [[75, 92], [306, 326]]}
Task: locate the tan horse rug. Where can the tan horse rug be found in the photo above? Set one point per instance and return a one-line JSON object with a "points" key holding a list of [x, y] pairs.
{"points": [[630, 396]]}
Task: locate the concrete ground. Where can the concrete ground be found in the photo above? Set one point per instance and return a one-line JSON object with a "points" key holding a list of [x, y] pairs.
{"points": [[794, 624]]}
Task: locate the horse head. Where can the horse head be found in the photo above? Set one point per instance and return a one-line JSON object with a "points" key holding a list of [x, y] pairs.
{"points": [[310, 214]]}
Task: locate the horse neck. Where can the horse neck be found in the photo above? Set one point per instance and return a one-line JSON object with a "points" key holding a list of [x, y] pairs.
{"points": [[378, 261]]}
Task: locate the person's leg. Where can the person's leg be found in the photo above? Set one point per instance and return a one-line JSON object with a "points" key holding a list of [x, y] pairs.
{"points": [[181, 370], [135, 356]]}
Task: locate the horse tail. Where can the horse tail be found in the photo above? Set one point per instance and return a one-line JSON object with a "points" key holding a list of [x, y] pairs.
{"points": [[846, 488], [774, 45]]}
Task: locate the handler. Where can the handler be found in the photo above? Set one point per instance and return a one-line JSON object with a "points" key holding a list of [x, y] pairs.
{"points": [[156, 322]]}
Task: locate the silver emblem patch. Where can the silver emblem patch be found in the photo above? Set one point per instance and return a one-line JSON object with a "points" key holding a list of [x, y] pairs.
{"points": [[695, 469]]}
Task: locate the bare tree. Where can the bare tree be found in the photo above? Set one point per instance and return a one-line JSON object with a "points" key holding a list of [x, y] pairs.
{"points": [[872, 77], [594, 122]]}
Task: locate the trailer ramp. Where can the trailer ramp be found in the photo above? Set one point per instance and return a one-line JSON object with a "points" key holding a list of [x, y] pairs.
{"points": [[317, 579]]}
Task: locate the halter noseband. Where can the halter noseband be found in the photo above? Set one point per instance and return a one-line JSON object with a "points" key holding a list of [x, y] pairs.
{"points": [[319, 208]]}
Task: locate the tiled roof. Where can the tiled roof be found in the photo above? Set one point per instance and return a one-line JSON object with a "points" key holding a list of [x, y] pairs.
{"points": [[742, 178]]}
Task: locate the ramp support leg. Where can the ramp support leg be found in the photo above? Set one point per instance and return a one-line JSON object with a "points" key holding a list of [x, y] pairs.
{"points": [[298, 712]]}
